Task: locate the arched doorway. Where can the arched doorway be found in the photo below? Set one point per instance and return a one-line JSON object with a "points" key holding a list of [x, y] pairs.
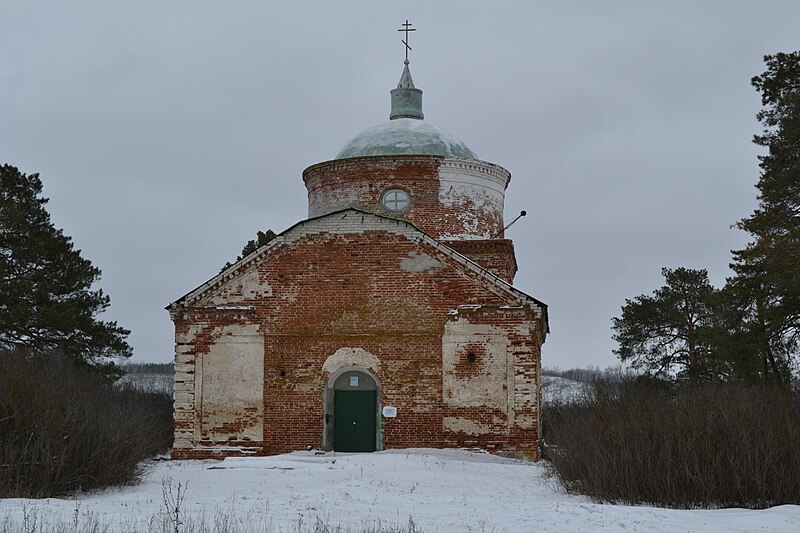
{"points": [[352, 424]]}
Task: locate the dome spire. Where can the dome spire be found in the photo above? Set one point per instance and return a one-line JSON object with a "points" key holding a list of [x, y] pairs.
{"points": [[406, 99], [405, 80]]}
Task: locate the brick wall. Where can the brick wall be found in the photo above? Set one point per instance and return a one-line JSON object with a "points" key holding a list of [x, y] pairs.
{"points": [[450, 198], [495, 255], [356, 281]]}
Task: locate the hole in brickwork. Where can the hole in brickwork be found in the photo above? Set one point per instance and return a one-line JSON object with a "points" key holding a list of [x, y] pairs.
{"points": [[470, 360], [282, 372]]}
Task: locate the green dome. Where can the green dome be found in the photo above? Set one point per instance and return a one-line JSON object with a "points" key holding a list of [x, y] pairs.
{"points": [[406, 132], [405, 136]]}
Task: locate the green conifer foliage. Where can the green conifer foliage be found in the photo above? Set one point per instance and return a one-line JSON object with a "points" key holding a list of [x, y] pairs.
{"points": [[768, 269], [670, 333], [46, 297], [252, 245]]}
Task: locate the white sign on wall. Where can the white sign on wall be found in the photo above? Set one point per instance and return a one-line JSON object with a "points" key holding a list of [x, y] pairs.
{"points": [[390, 411]]}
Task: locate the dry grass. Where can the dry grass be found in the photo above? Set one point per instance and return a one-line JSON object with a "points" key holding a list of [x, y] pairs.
{"points": [[36, 519]]}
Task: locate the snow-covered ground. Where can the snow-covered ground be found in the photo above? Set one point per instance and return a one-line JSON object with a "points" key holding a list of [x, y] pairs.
{"points": [[442, 490], [556, 389]]}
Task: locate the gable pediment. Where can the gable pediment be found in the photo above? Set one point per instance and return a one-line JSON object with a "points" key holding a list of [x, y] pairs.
{"points": [[238, 290], [242, 283]]}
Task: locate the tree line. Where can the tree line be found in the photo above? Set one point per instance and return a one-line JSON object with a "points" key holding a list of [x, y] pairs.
{"points": [[749, 329]]}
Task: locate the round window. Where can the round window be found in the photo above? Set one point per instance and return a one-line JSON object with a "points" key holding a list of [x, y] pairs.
{"points": [[395, 200]]}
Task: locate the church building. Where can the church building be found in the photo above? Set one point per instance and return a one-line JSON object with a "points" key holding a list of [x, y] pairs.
{"points": [[386, 319]]}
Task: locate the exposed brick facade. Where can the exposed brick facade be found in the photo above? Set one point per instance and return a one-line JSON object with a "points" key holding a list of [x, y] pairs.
{"points": [[450, 198], [495, 255], [451, 344]]}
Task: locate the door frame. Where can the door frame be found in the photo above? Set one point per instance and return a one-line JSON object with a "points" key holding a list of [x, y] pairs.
{"points": [[328, 407]]}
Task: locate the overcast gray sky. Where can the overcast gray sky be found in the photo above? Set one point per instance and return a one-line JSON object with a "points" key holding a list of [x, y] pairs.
{"points": [[167, 133]]}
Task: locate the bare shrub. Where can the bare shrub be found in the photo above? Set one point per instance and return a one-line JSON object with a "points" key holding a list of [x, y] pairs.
{"points": [[64, 427], [172, 498], [646, 441]]}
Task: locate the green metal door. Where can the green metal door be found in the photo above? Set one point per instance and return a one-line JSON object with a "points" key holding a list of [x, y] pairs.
{"points": [[354, 420]]}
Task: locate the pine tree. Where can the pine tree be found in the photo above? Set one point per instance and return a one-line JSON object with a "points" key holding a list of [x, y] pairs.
{"points": [[252, 245], [46, 297], [768, 270], [672, 331]]}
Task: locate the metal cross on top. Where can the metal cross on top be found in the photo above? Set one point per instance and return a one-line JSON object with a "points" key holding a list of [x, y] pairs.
{"points": [[407, 28]]}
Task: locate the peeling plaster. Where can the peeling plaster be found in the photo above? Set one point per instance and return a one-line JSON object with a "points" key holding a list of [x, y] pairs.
{"points": [[247, 286], [462, 425], [490, 386], [419, 262], [478, 194], [230, 385], [344, 357], [526, 421], [188, 335]]}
